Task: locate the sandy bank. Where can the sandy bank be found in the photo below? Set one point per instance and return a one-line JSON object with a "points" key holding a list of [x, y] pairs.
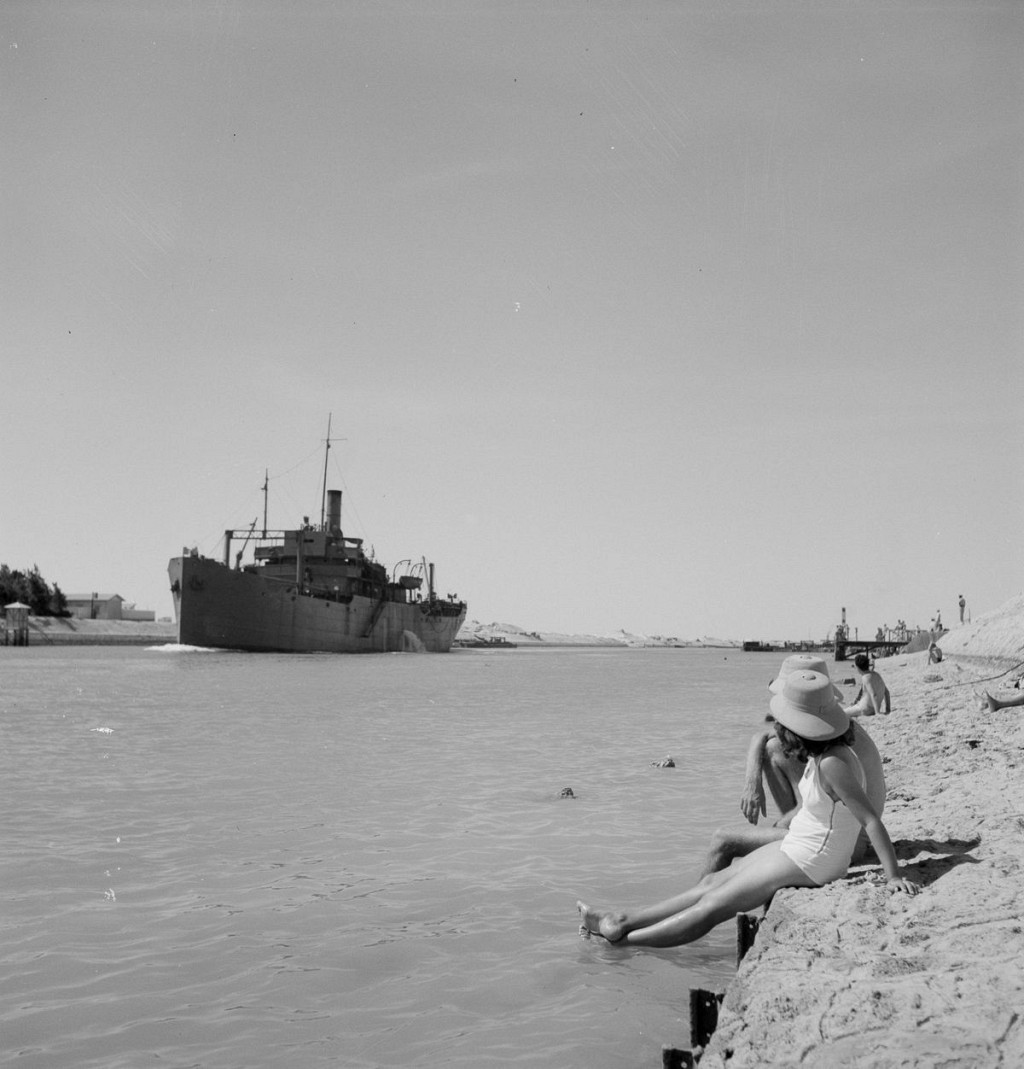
{"points": [[51, 631], [851, 975], [474, 631], [996, 638]]}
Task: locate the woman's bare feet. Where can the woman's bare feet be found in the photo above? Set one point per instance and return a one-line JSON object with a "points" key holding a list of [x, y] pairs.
{"points": [[606, 924]]}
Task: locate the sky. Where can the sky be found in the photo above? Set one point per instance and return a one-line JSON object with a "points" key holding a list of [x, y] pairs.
{"points": [[691, 319]]}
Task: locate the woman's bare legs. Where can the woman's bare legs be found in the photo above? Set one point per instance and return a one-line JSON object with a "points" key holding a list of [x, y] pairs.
{"points": [[728, 844], [613, 924], [748, 883]]}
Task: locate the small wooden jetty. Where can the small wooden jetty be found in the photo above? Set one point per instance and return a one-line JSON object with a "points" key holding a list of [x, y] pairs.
{"points": [[846, 647]]}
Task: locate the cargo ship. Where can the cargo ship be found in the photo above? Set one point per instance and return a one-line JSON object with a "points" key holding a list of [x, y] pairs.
{"points": [[311, 589]]}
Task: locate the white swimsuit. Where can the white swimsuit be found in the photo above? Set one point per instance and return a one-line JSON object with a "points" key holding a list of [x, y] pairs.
{"points": [[823, 833]]}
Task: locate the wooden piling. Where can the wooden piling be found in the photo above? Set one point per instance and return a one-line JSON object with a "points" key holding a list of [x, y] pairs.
{"points": [[677, 1059], [703, 1015], [703, 1022], [746, 931], [704, 1004]]}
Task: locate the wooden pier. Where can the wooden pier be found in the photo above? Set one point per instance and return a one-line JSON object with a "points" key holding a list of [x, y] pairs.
{"points": [[845, 647]]}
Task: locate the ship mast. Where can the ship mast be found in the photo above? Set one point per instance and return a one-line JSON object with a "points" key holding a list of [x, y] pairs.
{"points": [[327, 451]]}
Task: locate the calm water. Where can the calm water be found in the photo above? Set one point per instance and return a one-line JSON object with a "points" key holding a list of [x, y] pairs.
{"points": [[230, 860]]}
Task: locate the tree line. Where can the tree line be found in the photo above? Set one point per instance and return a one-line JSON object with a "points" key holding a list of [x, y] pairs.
{"points": [[31, 589]]}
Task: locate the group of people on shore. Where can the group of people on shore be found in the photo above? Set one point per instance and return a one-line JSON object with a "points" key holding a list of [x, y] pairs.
{"points": [[902, 633], [823, 772]]}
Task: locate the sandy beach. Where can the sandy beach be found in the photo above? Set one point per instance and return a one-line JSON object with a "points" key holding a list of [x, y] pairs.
{"points": [[851, 975], [473, 631]]}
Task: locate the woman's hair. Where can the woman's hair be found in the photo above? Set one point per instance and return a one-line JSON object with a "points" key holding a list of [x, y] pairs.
{"points": [[794, 745]]}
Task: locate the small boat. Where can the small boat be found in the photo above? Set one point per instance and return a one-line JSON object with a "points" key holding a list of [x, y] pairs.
{"points": [[309, 589]]}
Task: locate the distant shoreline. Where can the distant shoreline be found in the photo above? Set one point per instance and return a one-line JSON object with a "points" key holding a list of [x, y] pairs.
{"points": [[71, 631], [474, 635], [68, 631]]}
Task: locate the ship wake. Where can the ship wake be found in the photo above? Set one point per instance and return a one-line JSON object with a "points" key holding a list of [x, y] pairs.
{"points": [[412, 643]]}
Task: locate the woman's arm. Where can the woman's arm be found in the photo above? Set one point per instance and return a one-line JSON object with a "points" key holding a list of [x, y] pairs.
{"points": [[841, 782]]}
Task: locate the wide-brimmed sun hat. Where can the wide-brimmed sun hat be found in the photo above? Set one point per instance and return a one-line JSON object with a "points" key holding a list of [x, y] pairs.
{"points": [[801, 662], [807, 705]]}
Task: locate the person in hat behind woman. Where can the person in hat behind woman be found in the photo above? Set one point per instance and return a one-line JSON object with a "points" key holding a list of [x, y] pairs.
{"points": [[815, 851], [767, 764], [768, 760]]}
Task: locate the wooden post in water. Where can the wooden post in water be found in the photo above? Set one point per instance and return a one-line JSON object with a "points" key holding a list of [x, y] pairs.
{"points": [[746, 930], [703, 1022], [704, 1004], [703, 1015], [671, 1058]]}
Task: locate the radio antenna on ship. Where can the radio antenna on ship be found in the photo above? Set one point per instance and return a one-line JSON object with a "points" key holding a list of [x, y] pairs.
{"points": [[327, 452]]}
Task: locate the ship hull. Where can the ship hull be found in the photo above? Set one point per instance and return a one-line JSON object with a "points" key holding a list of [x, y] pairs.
{"points": [[222, 608]]}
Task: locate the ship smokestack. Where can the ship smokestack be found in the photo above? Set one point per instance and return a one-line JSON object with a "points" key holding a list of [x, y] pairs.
{"points": [[334, 510]]}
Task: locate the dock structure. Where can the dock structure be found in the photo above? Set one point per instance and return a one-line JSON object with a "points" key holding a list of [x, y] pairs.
{"points": [[14, 628], [843, 646], [846, 647]]}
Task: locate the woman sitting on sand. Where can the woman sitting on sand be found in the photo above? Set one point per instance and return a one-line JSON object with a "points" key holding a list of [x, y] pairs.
{"points": [[817, 849]]}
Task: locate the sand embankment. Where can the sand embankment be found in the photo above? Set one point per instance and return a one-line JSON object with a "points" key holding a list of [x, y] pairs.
{"points": [[852, 975], [472, 631], [54, 631]]}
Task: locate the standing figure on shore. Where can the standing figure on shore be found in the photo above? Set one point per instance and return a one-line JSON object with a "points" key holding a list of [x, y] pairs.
{"points": [[963, 605], [873, 696], [767, 763], [816, 850]]}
